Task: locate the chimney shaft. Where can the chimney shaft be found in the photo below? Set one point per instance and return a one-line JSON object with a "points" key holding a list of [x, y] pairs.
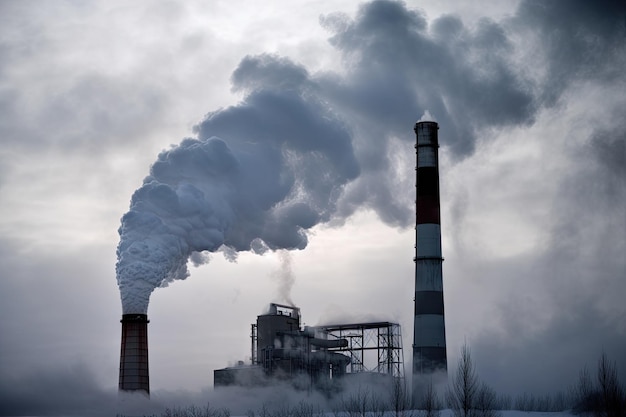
{"points": [[134, 354], [429, 337]]}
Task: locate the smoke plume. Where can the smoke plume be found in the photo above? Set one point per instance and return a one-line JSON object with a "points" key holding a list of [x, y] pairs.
{"points": [[277, 171], [302, 149], [285, 278]]}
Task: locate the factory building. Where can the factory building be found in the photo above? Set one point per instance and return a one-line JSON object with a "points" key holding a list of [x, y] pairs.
{"points": [[317, 357]]}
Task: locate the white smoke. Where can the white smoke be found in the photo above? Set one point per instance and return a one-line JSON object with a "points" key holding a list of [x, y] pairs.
{"points": [[427, 117], [275, 175], [284, 277]]}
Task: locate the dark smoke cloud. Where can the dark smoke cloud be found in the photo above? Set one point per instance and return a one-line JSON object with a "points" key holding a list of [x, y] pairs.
{"points": [[400, 67], [608, 148], [302, 149], [579, 41], [397, 68], [279, 170]]}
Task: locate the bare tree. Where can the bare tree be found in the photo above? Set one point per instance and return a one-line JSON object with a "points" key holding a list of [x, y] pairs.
{"points": [[505, 402], [429, 403], [486, 403], [461, 395], [195, 411], [399, 400], [378, 406], [584, 395], [358, 403], [303, 409], [607, 399], [560, 402], [611, 396]]}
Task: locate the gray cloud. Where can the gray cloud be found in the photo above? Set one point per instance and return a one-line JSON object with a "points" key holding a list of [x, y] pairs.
{"points": [[608, 148], [400, 69], [580, 41], [397, 68], [265, 72]]}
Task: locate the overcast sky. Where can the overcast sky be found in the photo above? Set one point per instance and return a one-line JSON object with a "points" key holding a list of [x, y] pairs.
{"points": [[529, 97]]}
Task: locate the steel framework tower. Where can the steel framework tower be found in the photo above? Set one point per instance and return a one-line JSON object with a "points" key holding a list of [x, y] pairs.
{"points": [[382, 339], [429, 337]]}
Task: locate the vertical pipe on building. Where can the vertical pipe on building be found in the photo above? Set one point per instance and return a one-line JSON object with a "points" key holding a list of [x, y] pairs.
{"points": [[134, 354], [429, 337]]}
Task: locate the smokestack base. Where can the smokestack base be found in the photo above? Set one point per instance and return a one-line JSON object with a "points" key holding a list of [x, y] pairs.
{"points": [[134, 375]]}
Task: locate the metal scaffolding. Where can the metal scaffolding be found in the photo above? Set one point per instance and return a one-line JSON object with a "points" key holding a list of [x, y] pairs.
{"points": [[384, 339]]}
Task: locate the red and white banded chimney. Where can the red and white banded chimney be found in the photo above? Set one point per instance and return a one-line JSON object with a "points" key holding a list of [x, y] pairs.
{"points": [[134, 354], [429, 337]]}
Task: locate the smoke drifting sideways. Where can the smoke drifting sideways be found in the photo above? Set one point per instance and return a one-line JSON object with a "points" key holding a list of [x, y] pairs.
{"points": [[260, 173], [257, 177], [303, 149]]}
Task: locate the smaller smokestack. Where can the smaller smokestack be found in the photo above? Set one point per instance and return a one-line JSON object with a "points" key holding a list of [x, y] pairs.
{"points": [[134, 354]]}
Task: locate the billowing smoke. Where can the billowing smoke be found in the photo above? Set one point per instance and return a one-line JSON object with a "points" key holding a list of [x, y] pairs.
{"points": [[277, 170], [302, 149]]}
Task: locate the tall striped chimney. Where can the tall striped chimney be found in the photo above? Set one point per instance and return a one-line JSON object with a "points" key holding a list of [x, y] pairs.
{"points": [[134, 354], [429, 337]]}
